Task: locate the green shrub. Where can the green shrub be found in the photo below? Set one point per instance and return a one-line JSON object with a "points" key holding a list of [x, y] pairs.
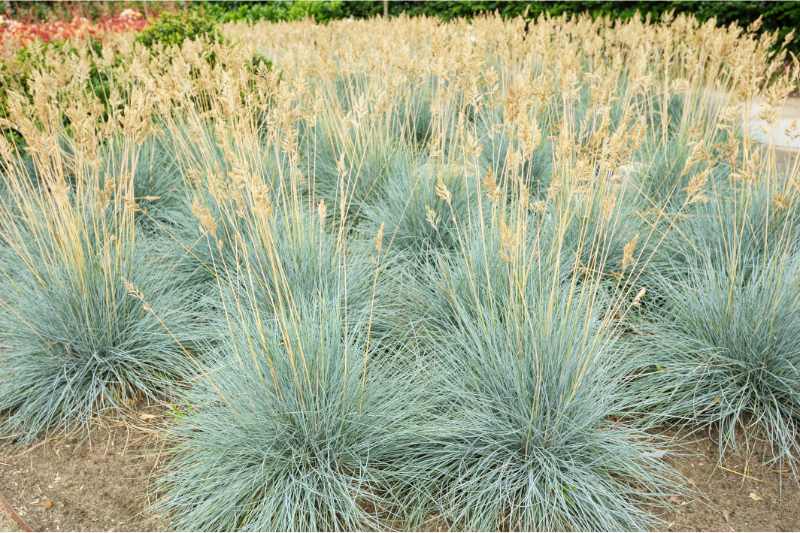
{"points": [[320, 11], [15, 74], [171, 29]]}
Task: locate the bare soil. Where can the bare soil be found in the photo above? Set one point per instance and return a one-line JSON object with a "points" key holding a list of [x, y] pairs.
{"points": [[102, 483], [83, 484], [741, 494]]}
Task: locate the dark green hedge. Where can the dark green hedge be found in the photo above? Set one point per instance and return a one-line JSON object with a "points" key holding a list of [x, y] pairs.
{"points": [[777, 16]]}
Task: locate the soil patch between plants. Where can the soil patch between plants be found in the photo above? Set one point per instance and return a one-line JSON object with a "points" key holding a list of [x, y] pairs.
{"points": [[104, 484], [79, 484]]}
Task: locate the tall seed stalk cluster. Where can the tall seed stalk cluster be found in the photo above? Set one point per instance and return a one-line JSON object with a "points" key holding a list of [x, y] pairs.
{"points": [[413, 275]]}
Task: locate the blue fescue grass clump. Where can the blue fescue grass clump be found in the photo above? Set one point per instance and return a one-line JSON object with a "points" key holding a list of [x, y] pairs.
{"points": [[418, 222], [721, 353], [298, 428], [92, 319], [603, 233], [530, 382], [204, 254], [667, 167], [301, 422], [83, 339], [272, 248], [535, 169], [350, 166], [159, 188], [530, 379], [437, 295], [412, 119], [733, 229], [716, 348]]}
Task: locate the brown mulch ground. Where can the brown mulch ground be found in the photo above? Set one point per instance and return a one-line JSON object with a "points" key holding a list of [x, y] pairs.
{"points": [[75, 484], [741, 494], [80, 484]]}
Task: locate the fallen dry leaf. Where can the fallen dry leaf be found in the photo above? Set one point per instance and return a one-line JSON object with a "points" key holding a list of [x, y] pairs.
{"points": [[47, 503]]}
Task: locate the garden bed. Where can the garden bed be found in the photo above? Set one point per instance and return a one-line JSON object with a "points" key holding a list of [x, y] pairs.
{"points": [[72, 484], [400, 274]]}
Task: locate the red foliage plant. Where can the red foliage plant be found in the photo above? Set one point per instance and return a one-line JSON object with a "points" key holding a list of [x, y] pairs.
{"points": [[24, 32]]}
